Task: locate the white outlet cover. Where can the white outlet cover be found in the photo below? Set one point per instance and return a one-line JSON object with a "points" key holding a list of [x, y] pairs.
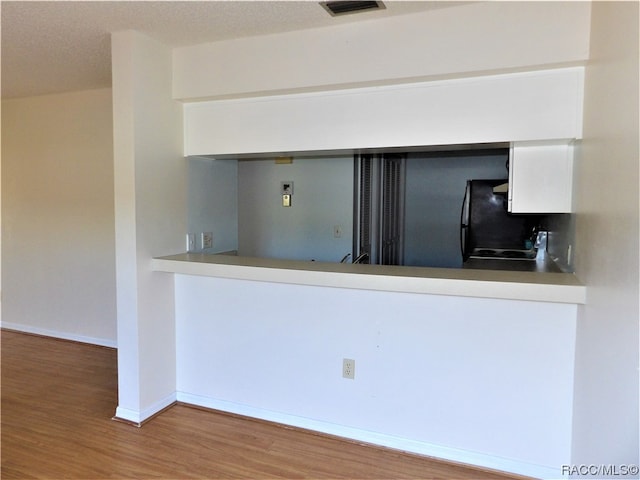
{"points": [[348, 368], [191, 242], [206, 239]]}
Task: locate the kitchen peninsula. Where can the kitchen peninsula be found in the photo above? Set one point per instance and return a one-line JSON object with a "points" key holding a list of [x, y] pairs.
{"points": [[464, 357], [499, 284]]}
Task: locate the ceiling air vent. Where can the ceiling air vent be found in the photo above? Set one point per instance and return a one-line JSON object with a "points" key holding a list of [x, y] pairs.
{"points": [[345, 7]]}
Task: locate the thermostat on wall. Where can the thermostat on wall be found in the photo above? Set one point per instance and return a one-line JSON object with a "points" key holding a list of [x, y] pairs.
{"points": [[286, 187]]}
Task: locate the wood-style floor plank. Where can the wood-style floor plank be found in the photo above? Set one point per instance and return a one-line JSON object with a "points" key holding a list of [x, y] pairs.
{"points": [[58, 399]]}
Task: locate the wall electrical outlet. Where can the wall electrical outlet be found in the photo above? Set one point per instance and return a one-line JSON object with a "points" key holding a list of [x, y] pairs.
{"points": [[191, 242], [348, 368], [206, 238]]}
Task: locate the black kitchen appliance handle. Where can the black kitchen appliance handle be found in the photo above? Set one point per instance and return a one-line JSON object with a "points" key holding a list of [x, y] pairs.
{"points": [[464, 224]]}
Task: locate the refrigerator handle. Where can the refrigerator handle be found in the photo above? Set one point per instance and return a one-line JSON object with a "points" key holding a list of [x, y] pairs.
{"points": [[464, 224]]}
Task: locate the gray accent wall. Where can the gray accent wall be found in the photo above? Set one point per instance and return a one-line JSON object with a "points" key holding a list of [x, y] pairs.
{"points": [[322, 199], [434, 193], [213, 202]]}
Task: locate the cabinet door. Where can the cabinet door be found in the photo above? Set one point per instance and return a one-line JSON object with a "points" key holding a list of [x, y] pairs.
{"points": [[541, 177]]}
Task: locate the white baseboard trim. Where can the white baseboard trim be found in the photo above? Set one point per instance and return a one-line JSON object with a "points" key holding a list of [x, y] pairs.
{"points": [[475, 459], [138, 417], [128, 415], [103, 342]]}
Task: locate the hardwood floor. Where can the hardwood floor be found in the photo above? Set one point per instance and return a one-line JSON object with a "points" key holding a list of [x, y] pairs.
{"points": [[58, 398]]}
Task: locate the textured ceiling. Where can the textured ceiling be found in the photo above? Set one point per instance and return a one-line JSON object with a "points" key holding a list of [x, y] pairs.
{"points": [[58, 46]]}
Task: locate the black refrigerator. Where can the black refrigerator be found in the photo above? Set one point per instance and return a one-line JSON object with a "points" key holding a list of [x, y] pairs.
{"points": [[486, 225]]}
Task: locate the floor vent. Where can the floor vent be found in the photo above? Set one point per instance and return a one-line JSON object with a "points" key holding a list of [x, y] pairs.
{"points": [[345, 7]]}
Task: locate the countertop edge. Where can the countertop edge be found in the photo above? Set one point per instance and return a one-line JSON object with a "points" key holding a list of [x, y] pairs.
{"points": [[529, 286]]}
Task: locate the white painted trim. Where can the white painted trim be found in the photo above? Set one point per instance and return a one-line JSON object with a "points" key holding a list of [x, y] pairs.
{"points": [[422, 448], [102, 342], [140, 416], [128, 415]]}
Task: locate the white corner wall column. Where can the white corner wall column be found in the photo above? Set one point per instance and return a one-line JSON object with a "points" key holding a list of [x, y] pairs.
{"points": [[150, 213], [606, 409]]}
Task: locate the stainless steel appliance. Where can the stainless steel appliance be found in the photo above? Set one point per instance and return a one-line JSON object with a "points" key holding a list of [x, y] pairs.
{"points": [[488, 231]]}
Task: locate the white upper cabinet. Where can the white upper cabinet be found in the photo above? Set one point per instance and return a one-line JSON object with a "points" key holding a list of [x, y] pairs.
{"points": [[541, 177]]}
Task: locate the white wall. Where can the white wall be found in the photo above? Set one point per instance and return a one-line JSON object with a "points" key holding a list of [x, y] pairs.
{"points": [[322, 199], [58, 251], [477, 37], [461, 42], [489, 37], [150, 212], [474, 380], [606, 388], [212, 191]]}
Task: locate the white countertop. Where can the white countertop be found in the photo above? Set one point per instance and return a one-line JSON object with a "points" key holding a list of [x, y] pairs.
{"points": [[510, 285]]}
